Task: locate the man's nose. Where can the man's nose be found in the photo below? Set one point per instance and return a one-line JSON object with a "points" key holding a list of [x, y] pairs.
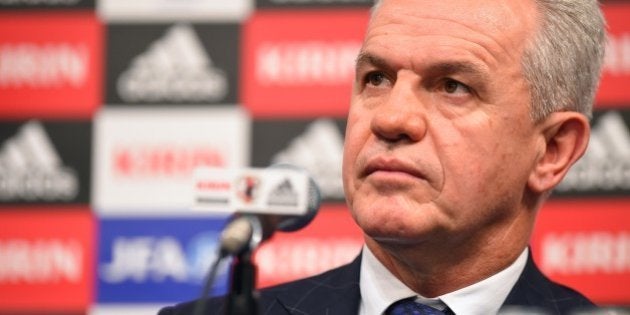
{"points": [[402, 115]]}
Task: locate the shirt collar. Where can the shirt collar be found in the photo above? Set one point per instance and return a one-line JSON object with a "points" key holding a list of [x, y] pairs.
{"points": [[380, 288], [486, 296]]}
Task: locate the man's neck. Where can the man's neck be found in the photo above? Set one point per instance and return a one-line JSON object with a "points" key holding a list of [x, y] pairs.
{"points": [[379, 289], [434, 269]]}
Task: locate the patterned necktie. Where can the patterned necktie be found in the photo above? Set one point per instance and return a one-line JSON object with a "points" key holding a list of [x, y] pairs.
{"points": [[411, 307]]}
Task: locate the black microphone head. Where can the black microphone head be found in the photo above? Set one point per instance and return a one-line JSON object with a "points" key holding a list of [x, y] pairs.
{"points": [[294, 223]]}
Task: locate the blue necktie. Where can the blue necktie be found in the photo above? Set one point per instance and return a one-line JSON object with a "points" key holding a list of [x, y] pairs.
{"points": [[411, 307]]}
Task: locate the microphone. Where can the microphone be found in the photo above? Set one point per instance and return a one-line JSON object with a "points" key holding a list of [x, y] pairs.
{"points": [[282, 197], [248, 231]]}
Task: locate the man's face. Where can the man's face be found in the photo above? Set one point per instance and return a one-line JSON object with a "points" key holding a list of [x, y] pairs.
{"points": [[439, 143]]}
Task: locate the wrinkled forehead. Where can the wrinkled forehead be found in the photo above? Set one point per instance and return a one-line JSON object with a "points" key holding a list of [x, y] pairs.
{"points": [[508, 20]]}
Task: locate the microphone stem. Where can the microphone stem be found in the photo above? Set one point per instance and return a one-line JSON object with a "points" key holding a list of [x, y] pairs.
{"points": [[243, 298]]}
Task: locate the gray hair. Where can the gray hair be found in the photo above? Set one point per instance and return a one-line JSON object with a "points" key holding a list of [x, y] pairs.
{"points": [[562, 63]]}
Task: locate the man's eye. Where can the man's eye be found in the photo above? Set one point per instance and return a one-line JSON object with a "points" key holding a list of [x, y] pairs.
{"points": [[452, 86], [375, 78]]}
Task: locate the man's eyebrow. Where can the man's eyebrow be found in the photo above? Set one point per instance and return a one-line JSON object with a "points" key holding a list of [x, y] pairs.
{"points": [[474, 71], [367, 58], [447, 68]]}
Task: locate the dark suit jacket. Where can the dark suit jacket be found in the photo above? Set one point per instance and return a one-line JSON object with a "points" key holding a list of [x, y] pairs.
{"points": [[336, 292]]}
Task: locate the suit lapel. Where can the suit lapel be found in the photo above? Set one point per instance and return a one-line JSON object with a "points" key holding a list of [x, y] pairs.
{"points": [[337, 292], [533, 289], [334, 292]]}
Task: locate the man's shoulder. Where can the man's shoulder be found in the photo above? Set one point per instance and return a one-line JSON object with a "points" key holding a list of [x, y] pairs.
{"points": [[304, 294], [337, 278], [534, 289]]}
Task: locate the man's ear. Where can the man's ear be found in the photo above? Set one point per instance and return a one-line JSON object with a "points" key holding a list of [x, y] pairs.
{"points": [[564, 138]]}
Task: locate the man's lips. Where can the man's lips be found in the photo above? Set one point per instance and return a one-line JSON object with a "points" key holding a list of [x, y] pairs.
{"points": [[391, 166]]}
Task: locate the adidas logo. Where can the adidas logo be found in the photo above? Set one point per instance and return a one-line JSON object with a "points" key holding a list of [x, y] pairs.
{"points": [[606, 164], [31, 170], [174, 68], [283, 195], [319, 150]]}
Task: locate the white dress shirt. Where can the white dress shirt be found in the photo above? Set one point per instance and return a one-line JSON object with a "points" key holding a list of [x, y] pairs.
{"points": [[380, 288]]}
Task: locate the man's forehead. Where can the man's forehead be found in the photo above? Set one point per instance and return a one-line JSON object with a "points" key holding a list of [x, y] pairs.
{"points": [[498, 28], [498, 15]]}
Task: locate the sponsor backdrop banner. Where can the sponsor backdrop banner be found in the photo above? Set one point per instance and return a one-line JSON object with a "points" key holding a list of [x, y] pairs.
{"points": [[604, 170], [144, 158], [45, 162], [586, 244], [50, 64], [46, 4], [46, 259], [146, 260], [107, 106], [300, 63], [170, 10], [170, 64], [312, 4], [314, 145], [616, 72], [331, 240]]}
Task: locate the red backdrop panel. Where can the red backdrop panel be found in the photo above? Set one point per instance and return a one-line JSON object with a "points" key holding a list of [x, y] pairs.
{"points": [[332, 239], [46, 259], [585, 244], [50, 64], [613, 90], [300, 63]]}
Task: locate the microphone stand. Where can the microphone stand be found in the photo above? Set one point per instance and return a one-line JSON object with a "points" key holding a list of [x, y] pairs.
{"points": [[243, 297]]}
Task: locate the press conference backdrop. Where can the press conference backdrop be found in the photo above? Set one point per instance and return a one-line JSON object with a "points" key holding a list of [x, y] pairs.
{"points": [[106, 107]]}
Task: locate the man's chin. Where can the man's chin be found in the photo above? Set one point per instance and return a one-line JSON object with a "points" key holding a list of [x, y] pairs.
{"points": [[397, 238]]}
